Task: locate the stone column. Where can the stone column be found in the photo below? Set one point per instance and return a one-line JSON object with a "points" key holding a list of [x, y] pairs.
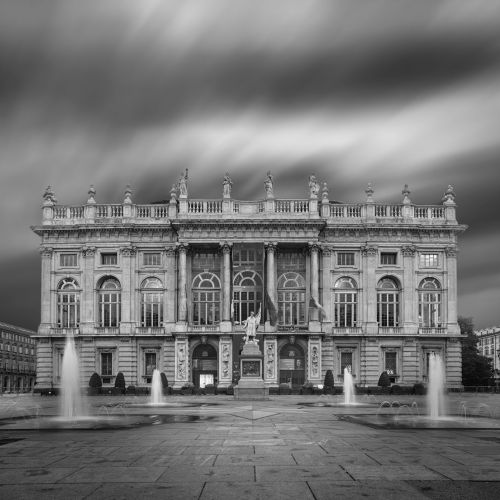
{"points": [[170, 295], [326, 295], [88, 317], [451, 267], [127, 307], [271, 280], [181, 361], [46, 320], [370, 254], [182, 312], [225, 325], [408, 316], [314, 312], [225, 361], [314, 365], [270, 360]]}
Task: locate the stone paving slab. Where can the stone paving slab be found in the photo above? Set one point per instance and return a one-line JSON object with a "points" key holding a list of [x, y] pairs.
{"points": [[256, 491]]}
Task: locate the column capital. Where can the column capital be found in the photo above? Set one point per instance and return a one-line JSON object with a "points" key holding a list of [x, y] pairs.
{"points": [[226, 247], [270, 246], [170, 251], [128, 251], [182, 247], [369, 250], [408, 251], [451, 251], [313, 246], [46, 251], [326, 251], [89, 251]]}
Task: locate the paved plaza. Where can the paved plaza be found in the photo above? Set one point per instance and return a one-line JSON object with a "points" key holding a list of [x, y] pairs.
{"points": [[217, 448]]}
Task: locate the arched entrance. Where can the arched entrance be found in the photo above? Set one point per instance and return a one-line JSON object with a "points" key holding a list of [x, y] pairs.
{"points": [[292, 365], [204, 365]]}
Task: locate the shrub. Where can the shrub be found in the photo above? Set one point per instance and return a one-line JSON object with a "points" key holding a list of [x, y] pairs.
{"points": [[329, 383], [187, 388], [210, 389], [419, 389], [164, 384], [396, 389], [284, 389], [230, 390], [307, 388], [384, 380], [120, 382], [95, 381], [130, 389]]}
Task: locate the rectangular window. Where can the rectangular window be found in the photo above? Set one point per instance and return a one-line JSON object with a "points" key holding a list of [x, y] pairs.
{"points": [[149, 363], [390, 363], [345, 258], [151, 259], [388, 258], [109, 259], [68, 260], [106, 364], [345, 361], [429, 260]]}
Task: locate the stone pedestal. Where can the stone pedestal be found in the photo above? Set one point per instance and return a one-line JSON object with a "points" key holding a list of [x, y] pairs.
{"points": [[251, 385]]}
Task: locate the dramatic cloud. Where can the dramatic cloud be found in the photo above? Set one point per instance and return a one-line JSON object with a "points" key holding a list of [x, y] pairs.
{"points": [[118, 92]]}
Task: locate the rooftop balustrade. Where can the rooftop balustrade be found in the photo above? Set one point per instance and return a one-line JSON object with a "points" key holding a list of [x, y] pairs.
{"points": [[185, 209]]}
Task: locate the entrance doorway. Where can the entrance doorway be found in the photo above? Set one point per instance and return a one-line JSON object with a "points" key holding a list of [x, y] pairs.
{"points": [[292, 365], [204, 365]]}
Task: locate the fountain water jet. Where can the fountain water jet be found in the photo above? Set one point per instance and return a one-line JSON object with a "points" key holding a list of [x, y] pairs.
{"points": [[72, 405], [348, 387], [156, 388], [435, 389]]}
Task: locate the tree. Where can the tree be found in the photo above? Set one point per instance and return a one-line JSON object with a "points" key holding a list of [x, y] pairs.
{"points": [[329, 382], [120, 381], [476, 369], [95, 381]]}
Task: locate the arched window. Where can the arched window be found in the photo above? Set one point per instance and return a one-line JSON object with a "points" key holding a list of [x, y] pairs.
{"points": [[429, 303], [151, 302], [346, 302], [206, 299], [68, 304], [388, 302], [291, 299], [109, 302], [247, 295]]}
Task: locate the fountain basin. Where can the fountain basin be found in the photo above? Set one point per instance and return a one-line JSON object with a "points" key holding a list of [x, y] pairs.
{"points": [[99, 422], [390, 421]]}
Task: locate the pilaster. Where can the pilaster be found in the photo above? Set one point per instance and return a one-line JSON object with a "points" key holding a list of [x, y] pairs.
{"points": [[181, 361], [314, 355], [369, 255], [270, 360], [451, 268], [225, 360]]}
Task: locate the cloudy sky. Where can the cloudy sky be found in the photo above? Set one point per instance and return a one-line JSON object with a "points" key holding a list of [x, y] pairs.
{"points": [[116, 92]]}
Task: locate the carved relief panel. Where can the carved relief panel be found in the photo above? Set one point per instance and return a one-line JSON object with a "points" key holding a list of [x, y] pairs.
{"points": [[314, 359], [181, 360], [270, 361]]}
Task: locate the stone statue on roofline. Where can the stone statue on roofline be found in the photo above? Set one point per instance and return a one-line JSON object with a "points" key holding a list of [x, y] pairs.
{"points": [[49, 197], [269, 185], [314, 187], [449, 195], [226, 186], [182, 184]]}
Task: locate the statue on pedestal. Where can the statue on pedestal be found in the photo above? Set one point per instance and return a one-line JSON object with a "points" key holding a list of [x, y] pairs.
{"points": [[313, 187], [251, 324], [268, 184], [226, 186]]}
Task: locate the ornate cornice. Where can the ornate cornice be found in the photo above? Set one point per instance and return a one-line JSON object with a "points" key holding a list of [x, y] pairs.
{"points": [[128, 251], [46, 251], [408, 251], [369, 251], [170, 251], [88, 251], [451, 251]]}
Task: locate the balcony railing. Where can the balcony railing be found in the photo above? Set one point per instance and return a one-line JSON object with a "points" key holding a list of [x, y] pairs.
{"points": [[425, 330], [347, 330], [64, 332], [150, 330], [389, 329], [108, 330], [204, 328]]}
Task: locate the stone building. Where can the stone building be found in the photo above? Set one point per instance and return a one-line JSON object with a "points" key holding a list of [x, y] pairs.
{"points": [[169, 285], [489, 346], [17, 358]]}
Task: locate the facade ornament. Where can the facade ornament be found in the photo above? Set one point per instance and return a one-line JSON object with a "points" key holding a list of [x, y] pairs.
{"points": [[314, 187], [49, 198], [313, 247], [269, 185], [451, 251], [173, 194], [46, 251], [324, 193], [270, 360], [369, 193], [183, 184], [88, 251], [291, 339], [408, 251], [170, 251], [227, 184], [449, 196], [181, 362], [182, 247], [226, 247], [128, 195], [369, 251], [226, 359], [91, 193], [326, 251], [406, 195], [314, 361], [270, 247]]}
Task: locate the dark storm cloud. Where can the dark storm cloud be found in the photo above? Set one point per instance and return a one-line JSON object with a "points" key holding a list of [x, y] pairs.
{"points": [[120, 92]]}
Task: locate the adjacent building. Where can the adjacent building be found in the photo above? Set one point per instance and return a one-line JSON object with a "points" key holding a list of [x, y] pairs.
{"points": [[489, 346], [369, 285], [17, 358]]}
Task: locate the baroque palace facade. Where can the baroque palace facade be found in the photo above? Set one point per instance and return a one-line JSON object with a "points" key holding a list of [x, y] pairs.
{"points": [[169, 285]]}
